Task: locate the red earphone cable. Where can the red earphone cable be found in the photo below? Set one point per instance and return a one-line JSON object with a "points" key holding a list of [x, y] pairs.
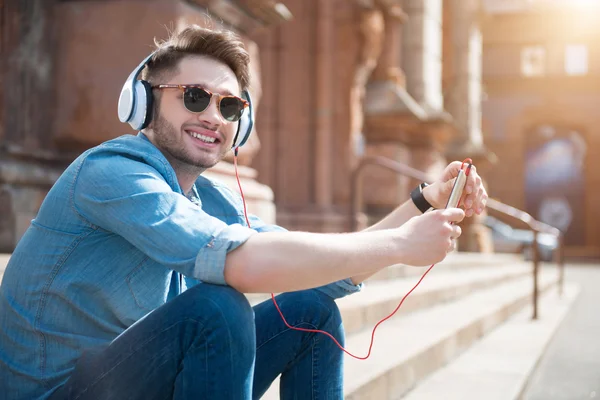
{"points": [[237, 177], [466, 161]]}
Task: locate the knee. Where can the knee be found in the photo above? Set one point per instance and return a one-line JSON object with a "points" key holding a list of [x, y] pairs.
{"points": [[221, 307], [319, 310]]}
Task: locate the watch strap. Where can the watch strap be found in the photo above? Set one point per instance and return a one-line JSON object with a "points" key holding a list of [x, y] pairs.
{"points": [[417, 197]]}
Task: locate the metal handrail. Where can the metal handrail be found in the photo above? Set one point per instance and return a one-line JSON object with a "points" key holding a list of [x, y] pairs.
{"points": [[535, 225]]}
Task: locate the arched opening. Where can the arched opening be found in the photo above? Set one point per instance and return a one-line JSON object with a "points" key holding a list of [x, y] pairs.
{"points": [[555, 179]]}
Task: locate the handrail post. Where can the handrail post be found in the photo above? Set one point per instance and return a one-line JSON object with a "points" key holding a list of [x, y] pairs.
{"points": [[536, 262], [561, 263]]}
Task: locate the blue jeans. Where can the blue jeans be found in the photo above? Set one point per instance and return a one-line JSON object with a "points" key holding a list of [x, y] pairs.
{"points": [[208, 343]]}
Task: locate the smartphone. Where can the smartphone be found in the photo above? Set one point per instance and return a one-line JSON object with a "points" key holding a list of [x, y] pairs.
{"points": [[457, 190]]}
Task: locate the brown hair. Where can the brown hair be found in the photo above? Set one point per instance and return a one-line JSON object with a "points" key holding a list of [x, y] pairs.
{"points": [[223, 46]]}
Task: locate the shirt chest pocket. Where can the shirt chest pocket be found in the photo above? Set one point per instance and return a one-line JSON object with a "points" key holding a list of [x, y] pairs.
{"points": [[216, 205], [149, 284]]}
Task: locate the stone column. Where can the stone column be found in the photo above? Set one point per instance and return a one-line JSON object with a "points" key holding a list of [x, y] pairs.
{"points": [[384, 111], [464, 103], [464, 100], [422, 49], [371, 29], [406, 120], [422, 63], [29, 163], [324, 101], [388, 66]]}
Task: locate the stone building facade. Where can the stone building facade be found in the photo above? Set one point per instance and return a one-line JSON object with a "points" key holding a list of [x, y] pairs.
{"points": [[334, 80]]}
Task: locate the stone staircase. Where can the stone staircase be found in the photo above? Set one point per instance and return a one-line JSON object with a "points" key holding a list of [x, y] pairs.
{"points": [[471, 310], [464, 333]]}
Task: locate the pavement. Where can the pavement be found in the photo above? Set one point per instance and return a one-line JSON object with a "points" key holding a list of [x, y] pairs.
{"points": [[498, 366], [570, 367]]}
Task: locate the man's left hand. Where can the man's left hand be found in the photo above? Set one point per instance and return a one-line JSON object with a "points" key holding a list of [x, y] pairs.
{"points": [[474, 195]]}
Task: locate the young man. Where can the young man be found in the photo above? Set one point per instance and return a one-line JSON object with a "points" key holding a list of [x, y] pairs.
{"points": [[128, 284]]}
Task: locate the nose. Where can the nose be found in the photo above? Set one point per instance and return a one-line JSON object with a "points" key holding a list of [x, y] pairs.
{"points": [[211, 115]]}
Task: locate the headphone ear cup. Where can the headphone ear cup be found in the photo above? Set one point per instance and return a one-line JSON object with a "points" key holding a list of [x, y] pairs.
{"points": [[135, 100], [245, 124], [142, 105], [149, 104], [126, 102]]}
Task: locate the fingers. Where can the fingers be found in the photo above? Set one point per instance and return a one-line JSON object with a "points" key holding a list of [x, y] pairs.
{"points": [[477, 202], [474, 201], [456, 232], [472, 181], [452, 246], [453, 214], [452, 169], [444, 226], [481, 200]]}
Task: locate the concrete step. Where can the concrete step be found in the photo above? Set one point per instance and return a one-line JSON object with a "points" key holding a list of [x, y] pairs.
{"points": [[380, 298], [498, 367], [454, 262], [425, 341], [408, 349]]}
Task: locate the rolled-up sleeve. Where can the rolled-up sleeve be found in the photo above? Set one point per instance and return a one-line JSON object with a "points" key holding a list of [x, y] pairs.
{"points": [[130, 198], [210, 263], [340, 288]]}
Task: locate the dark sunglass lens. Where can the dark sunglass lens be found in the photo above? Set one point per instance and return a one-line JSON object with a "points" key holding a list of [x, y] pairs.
{"points": [[231, 108], [196, 99]]}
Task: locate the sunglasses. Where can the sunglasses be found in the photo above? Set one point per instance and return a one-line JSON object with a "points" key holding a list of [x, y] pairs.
{"points": [[196, 99]]}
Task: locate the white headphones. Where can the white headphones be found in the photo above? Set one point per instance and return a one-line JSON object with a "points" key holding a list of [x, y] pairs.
{"points": [[136, 103]]}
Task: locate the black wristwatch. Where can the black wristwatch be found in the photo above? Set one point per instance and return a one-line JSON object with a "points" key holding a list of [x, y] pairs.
{"points": [[417, 197]]}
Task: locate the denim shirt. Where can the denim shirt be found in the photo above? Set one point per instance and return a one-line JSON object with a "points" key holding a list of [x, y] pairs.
{"points": [[114, 239]]}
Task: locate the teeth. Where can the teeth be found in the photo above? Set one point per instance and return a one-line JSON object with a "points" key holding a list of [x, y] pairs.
{"points": [[204, 138]]}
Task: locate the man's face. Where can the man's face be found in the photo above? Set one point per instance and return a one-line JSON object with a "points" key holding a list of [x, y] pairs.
{"points": [[183, 136]]}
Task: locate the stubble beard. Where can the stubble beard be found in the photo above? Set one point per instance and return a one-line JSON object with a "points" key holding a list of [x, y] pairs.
{"points": [[167, 140]]}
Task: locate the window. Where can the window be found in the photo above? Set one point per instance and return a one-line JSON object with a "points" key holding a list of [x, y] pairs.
{"points": [[576, 59], [533, 61]]}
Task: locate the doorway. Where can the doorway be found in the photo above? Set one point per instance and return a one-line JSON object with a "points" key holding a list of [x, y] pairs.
{"points": [[555, 179]]}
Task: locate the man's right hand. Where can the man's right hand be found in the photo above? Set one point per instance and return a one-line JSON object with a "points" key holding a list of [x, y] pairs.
{"points": [[428, 238]]}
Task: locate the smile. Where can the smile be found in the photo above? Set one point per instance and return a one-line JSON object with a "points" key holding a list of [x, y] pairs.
{"points": [[204, 138]]}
